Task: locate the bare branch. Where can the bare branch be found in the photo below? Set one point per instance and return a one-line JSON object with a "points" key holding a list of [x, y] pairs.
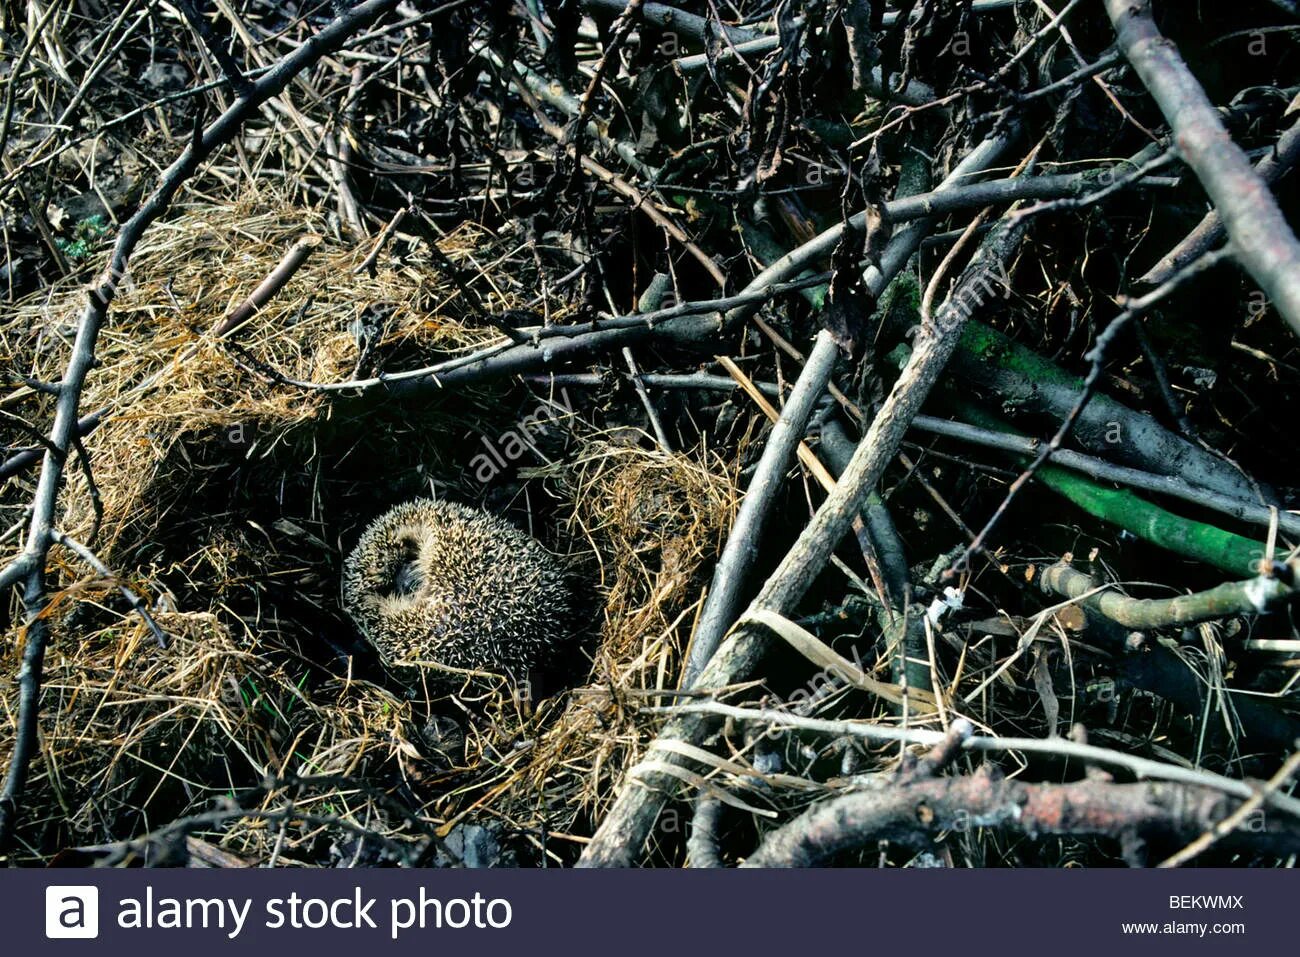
{"points": [[1262, 241]]}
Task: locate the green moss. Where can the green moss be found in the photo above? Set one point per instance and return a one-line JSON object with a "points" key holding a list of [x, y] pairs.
{"points": [[900, 303], [85, 236], [984, 343]]}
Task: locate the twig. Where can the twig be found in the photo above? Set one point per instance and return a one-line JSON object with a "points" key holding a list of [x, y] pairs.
{"points": [[138, 604], [656, 380], [166, 837], [739, 554], [1107, 472], [1140, 767], [268, 287], [651, 412], [368, 264], [21, 461], [618, 34], [1230, 823], [1089, 807], [1210, 229], [1160, 373], [231, 71]]}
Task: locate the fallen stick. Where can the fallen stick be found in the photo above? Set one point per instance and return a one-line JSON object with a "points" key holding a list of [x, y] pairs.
{"points": [[741, 551], [1253, 596], [916, 814], [268, 287], [1210, 229]]}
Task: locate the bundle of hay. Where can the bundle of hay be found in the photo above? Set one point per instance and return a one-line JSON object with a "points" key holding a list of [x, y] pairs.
{"points": [[225, 499]]}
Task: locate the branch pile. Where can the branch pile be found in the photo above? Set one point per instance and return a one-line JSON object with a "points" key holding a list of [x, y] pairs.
{"points": [[907, 379]]}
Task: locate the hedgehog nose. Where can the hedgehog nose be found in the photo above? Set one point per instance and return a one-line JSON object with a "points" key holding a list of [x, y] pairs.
{"points": [[407, 579]]}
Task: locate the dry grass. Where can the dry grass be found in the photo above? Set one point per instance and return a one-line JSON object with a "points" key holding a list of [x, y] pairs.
{"points": [[162, 377], [255, 700]]}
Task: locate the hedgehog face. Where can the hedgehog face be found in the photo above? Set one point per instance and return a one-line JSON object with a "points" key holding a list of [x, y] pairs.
{"points": [[404, 576], [433, 581]]}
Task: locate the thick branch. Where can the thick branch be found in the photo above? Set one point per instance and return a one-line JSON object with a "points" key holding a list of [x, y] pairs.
{"points": [[1251, 597], [917, 814], [1262, 241], [742, 543]]}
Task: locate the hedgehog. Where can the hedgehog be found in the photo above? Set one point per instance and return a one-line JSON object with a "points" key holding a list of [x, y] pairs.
{"points": [[438, 582]]}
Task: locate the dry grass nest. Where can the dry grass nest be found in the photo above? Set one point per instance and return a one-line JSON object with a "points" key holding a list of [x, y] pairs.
{"points": [[260, 734]]}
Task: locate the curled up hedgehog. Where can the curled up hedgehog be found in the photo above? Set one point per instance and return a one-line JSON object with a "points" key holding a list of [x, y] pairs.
{"points": [[441, 583]]}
